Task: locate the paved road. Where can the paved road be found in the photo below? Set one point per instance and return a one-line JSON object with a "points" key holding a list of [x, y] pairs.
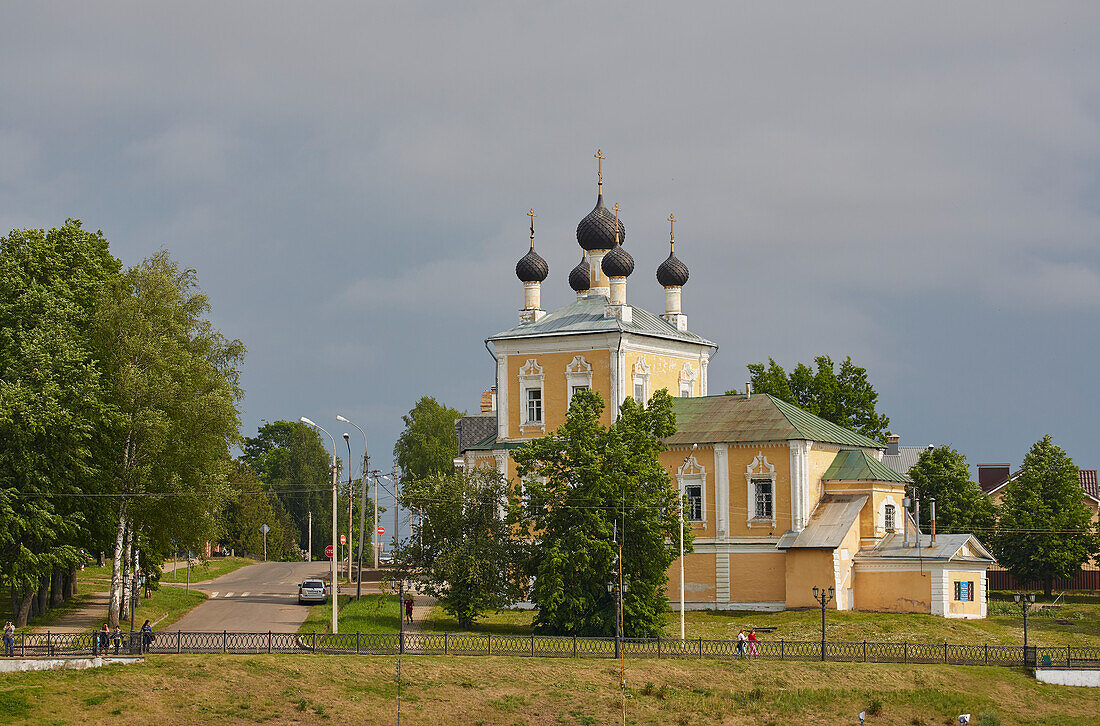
{"points": [[255, 599]]}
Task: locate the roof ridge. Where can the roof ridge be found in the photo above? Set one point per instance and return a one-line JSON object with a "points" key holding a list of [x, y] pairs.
{"points": [[786, 408]]}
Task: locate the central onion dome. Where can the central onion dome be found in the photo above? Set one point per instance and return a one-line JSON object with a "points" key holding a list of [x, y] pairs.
{"points": [[580, 277], [618, 262], [597, 230], [531, 267], [672, 272]]}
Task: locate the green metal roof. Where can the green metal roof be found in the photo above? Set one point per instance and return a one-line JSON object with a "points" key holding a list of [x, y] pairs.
{"points": [[587, 316], [759, 417], [490, 443], [858, 465]]}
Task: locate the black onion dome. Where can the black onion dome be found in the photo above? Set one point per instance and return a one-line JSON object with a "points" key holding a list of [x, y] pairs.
{"points": [[580, 277], [672, 272], [597, 230], [531, 267], [618, 262]]}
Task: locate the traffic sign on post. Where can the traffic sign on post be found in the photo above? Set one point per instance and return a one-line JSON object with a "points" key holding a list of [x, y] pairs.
{"points": [[328, 551], [381, 531], [343, 540]]}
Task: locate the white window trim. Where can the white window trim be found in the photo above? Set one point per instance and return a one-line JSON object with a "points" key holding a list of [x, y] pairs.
{"points": [[531, 377], [888, 507], [687, 380], [880, 520], [641, 378], [759, 468], [692, 474], [577, 374]]}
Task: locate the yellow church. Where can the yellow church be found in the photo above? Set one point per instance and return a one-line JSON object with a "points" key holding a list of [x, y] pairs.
{"points": [[779, 500]]}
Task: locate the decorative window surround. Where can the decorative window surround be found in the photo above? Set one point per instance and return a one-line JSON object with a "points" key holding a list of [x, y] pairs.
{"points": [[691, 474], [578, 374], [530, 378], [687, 381], [641, 378], [758, 471]]}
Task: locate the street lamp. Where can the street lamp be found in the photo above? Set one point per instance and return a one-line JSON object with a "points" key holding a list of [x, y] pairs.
{"points": [[378, 542], [1025, 600], [823, 596], [335, 588], [681, 479], [362, 510]]}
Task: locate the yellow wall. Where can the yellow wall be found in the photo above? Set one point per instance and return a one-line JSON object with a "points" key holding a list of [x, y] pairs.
{"points": [[699, 572], [757, 577], [894, 592], [871, 525], [739, 460], [555, 393], [664, 372], [968, 607], [805, 569], [704, 456], [820, 461]]}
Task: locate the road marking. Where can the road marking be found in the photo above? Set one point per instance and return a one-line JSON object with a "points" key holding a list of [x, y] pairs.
{"points": [[245, 594], [229, 594], [213, 594]]}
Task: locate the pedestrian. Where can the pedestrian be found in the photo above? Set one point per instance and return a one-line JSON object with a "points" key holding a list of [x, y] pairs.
{"points": [[752, 644], [409, 609], [9, 639], [147, 636], [741, 640], [102, 638], [116, 635]]}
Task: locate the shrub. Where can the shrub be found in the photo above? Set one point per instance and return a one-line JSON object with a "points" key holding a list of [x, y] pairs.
{"points": [[988, 718]]}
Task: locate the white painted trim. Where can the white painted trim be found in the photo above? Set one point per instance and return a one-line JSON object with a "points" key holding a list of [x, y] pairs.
{"points": [[759, 468], [763, 606], [722, 577], [641, 371], [722, 489], [531, 377], [691, 473], [577, 373], [502, 396], [800, 484]]}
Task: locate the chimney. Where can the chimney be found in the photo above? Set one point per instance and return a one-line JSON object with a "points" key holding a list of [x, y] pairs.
{"points": [[916, 520], [992, 475], [932, 511], [905, 504], [893, 443], [748, 390], [489, 400]]}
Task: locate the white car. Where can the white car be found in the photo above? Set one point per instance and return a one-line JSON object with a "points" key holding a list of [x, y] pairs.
{"points": [[312, 591], [385, 559]]}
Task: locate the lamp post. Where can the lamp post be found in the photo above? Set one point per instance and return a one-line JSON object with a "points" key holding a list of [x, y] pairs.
{"points": [[362, 511], [823, 596], [681, 478], [1025, 600], [351, 539], [335, 595]]}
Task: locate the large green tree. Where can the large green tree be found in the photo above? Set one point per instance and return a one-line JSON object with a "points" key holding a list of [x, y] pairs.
{"points": [[428, 444], [462, 550], [248, 508], [173, 389], [1045, 531], [843, 396], [52, 405], [587, 490], [290, 458], [961, 506]]}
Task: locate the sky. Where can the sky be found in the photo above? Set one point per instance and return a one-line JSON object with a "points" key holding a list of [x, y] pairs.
{"points": [[916, 185]]}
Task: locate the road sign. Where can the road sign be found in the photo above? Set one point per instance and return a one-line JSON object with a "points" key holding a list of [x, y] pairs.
{"points": [[381, 530], [328, 551], [264, 528], [343, 539]]}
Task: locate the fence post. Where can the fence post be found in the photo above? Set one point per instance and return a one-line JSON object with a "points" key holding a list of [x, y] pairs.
{"points": [[225, 640], [444, 644], [314, 645], [782, 655], [488, 644], [532, 645], [905, 652], [357, 642], [49, 648], [945, 652], [179, 641], [987, 653], [1067, 656], [700, 647], [658, 647], [865, 651], [574, 645]]}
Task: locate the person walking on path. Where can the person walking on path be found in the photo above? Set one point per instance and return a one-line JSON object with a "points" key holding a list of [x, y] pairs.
{"points": [[147, 636], [9, 639], [752, 644], [741, 640], [409, 609]]}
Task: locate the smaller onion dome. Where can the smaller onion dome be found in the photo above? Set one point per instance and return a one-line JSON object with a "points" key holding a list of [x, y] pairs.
{"points": [[672, 272], [580, 277], [531, 267], [597, 230], [618, 262]]}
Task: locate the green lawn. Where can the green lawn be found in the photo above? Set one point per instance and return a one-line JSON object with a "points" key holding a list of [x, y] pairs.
{"points": [[286, 689], [212, 568], [373, 614]]}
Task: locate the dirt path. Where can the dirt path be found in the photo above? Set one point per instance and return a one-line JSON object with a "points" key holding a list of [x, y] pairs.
{"points": [[91, 615], [422, 605]]}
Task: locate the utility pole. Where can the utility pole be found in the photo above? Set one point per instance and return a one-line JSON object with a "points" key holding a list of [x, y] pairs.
{"points": [[374, 534], [395, 509], [309, 546], [362, 523]]}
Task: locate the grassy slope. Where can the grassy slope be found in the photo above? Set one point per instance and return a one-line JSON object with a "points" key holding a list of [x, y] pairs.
{"points": [[455, 690], [365, 616], [1078, 623]]}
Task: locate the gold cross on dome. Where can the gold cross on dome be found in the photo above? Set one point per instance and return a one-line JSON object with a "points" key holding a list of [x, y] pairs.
{"points": [[599, 167], [671, 236], [617, 210], [532, 215]]}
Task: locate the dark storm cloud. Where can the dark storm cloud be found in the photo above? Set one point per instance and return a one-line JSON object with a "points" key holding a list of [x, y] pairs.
{"points": [[917, 186]]}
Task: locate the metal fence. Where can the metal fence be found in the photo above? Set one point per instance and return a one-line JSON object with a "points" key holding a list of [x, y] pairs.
{"points": [[56, 645]]}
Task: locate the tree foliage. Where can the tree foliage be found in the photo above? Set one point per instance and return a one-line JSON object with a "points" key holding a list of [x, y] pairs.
{"points": [[586, 489], [462, 549], [843, 396], [961, 506], [290, 458], [249, 507], [1045, 531], [428, 444]]}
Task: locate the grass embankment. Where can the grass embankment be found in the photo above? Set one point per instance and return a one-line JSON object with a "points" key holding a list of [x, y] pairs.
{"points": [[1076, 623], [499, 690], [373, 614], [204, 571]]}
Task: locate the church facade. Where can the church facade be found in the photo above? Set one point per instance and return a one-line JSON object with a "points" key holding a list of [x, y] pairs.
{"points": [[779, 501]]}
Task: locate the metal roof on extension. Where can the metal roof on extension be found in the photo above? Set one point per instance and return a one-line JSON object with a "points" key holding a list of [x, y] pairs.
{"points": [[587, 316], [756, 418], [858, 465], [830, 522]]}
